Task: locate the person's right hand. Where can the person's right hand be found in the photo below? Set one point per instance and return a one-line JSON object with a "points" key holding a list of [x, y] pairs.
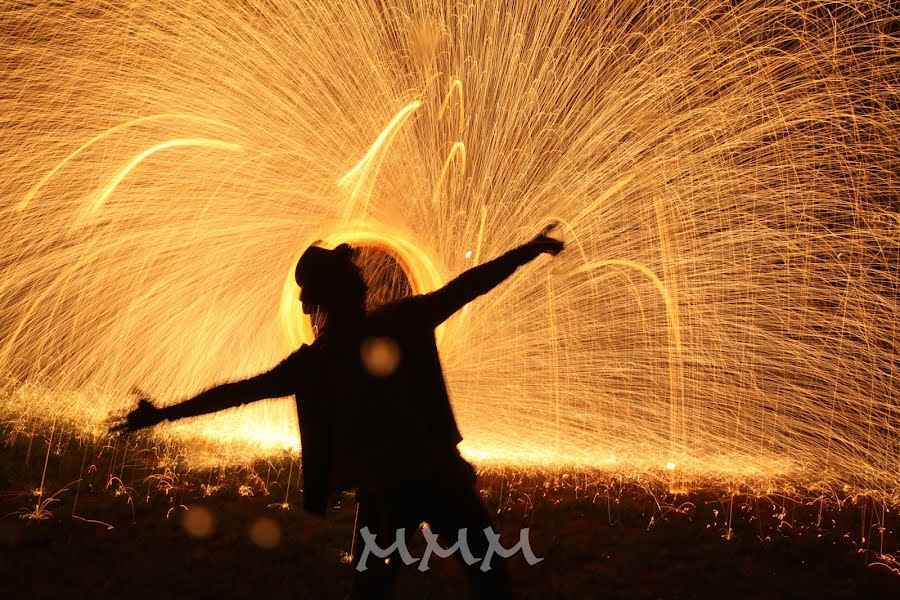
{"points": [[145, 415], [543, 243]]}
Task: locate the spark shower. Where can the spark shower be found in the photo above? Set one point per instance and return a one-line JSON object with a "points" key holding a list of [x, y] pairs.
{"points": [[724, 174]]}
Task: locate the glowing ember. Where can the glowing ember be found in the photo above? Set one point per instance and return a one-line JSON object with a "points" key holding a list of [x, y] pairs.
{"points": [[725, 174]]}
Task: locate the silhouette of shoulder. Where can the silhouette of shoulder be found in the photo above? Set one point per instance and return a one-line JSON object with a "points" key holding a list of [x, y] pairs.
{"points": [[296, 365]]}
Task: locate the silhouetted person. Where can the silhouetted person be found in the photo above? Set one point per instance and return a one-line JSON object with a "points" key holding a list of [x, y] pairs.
{"points": [[374, 411]]}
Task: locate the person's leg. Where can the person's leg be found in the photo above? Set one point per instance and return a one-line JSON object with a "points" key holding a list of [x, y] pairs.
{"points": [[454, 505], [383, 516], [377, 579]]}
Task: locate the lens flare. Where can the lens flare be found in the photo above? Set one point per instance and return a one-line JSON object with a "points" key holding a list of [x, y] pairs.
{"points": [[198, 522], [380, 356], [724, 175]]}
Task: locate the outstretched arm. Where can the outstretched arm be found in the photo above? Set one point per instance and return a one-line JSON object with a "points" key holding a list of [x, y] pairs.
{"points": [[272, 384], [228, 395], [440, 304]]}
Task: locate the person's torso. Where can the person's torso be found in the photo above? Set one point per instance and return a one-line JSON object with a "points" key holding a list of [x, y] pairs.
{"points": [[381, 391]]}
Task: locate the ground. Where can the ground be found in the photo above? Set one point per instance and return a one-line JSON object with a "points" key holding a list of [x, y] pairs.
{"points": [[126, 536]]}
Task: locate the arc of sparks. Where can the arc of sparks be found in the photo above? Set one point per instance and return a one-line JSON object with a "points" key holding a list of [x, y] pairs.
{"points": [[606, 195], [458, 149], [123, 172], [676, 375], [477, 257], [366, 170], [455, 85], [26, 200]]}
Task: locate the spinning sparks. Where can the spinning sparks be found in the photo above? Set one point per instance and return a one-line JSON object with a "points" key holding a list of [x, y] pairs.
{"points": [[724, 174]]}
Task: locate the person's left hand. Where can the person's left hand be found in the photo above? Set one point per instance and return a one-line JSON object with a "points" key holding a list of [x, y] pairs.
{"points": [[543, 243], [145, 415]]}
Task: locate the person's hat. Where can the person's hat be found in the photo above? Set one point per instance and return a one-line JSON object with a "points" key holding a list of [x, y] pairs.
{"points": [[317, 263]]}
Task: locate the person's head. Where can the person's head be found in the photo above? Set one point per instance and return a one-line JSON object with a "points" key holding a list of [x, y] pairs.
{"points": [[329, 280]]}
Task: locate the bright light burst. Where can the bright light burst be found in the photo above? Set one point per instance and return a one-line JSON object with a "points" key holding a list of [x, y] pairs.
{"points": [[725, 174]]}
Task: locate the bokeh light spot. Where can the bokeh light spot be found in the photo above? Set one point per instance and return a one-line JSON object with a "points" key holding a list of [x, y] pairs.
{"points": [[380, 355], [198, 522], [265, 533]]}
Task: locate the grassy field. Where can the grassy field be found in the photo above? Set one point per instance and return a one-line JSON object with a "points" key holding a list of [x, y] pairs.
{"points": [[125, 524]]}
